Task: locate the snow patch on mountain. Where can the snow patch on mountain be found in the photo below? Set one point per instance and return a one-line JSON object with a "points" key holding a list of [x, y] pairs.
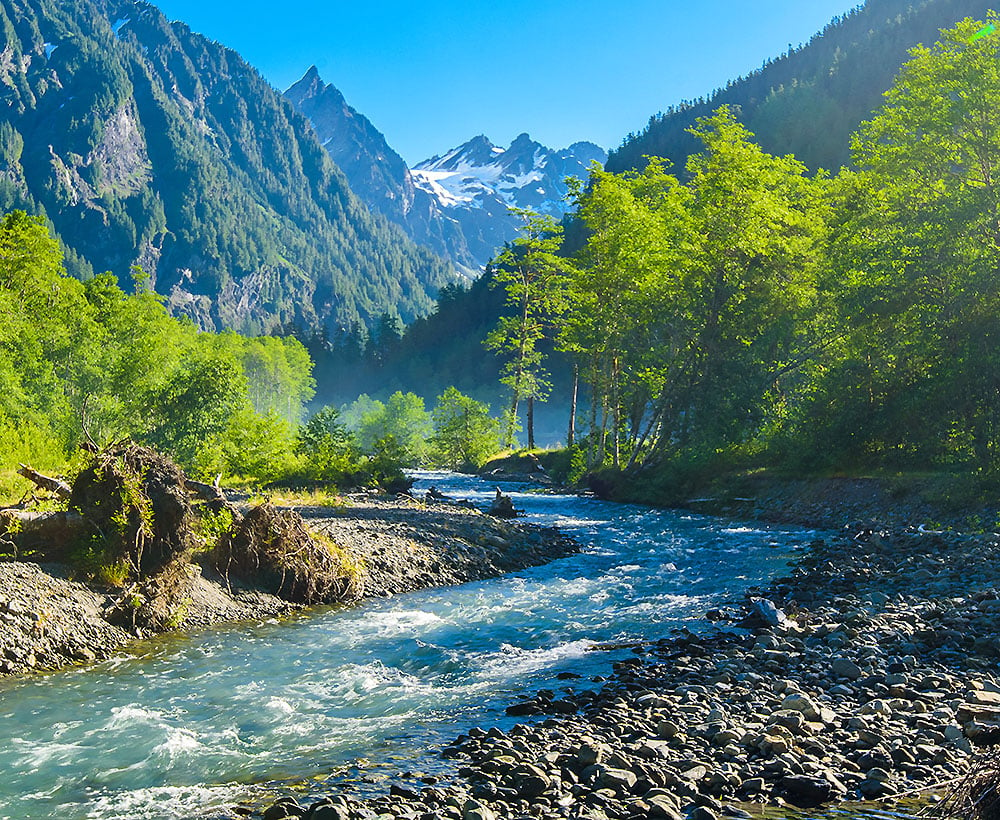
{"points": [[524, 175]]}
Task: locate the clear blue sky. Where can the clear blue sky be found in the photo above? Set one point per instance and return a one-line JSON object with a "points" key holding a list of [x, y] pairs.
{"points": [[432, 74]]}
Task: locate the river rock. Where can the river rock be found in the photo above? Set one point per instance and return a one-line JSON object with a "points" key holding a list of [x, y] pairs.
{"points": [[802, 703], [327, 811], [791, 719], [530, 781], [807, 791], [474, 810], [846, 668], [286, 807], [662, 806], [762, 613], [619, 781]]}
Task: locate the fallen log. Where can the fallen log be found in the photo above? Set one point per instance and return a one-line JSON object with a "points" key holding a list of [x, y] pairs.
{"points": [[53, 485], [41, 535]]}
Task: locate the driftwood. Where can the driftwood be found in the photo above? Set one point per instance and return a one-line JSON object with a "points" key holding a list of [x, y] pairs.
{"points": [[45, 535], [53, 485], [213, 496], [502, 506]]}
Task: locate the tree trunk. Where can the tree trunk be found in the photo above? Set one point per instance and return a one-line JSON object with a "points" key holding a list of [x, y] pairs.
{"points": [[511, 423], [571, 432], [41, 536], [531, 422], [53, 485], [616, 414]]}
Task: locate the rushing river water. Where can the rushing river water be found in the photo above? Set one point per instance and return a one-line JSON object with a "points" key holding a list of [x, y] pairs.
{"points": [[195, 722]]}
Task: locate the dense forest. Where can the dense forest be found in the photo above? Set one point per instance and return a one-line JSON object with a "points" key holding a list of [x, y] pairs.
{"points": [[752, 314], [808, 101], [85, 364], [144, 143]]}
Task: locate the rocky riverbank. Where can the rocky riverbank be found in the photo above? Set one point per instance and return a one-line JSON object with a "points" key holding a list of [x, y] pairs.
{"points": [[851, 503], [874, 677], [48, 620]]}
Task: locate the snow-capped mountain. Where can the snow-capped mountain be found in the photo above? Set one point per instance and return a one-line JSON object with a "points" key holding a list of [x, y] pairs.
{"points": [[478, 182], [457, 204]]}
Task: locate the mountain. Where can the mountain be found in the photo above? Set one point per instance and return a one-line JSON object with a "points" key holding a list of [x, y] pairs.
{"points": [[145, 143], [477, 182], [808, 101], [456, 204], [376, 173]]}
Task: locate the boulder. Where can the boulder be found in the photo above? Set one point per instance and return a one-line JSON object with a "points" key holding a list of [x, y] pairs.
{"points": [[846, 669], [762, 613], [806, 791]]}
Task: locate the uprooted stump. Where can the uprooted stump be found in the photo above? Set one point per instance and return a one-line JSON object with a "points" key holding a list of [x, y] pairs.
{"points": [[135, 503], [984, 796], [155, 603], [272, 550]]}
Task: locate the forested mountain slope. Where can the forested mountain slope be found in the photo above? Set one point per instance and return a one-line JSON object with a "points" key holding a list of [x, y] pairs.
{"points": [[144, 143], [809, 101]]}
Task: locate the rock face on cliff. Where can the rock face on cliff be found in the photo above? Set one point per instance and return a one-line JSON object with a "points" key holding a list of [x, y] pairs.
{"points": [[146, 144]]}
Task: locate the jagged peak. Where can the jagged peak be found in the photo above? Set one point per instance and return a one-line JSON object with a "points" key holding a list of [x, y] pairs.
{"points": [[586, 145], [311, 85]]}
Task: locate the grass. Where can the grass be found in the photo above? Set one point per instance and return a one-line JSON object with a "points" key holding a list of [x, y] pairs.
{"points": [[300, 498]]}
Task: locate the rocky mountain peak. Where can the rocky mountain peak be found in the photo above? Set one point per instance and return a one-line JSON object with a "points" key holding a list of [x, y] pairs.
{"points": [[477, 183]]}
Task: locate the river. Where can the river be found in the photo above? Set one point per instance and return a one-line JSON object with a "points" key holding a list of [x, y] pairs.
{"points": [[189, 724]]}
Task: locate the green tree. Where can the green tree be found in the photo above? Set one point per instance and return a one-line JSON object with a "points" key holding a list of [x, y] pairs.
{"points": [[534, 276], [197, 405], [256, 446], [915, 250], [629, 315], [760, 223], [696, 303], [398, 428], [465, 435]]}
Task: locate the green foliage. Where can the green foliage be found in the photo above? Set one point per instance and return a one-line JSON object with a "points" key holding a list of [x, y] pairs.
{"points": [[808, 100], [692, 302], [197, 405], [88, 359], [914, 253], [327, 449], [534, 277], [399, 428], [210, 526], [567, 467], [464, 433], [257, 447], [751, 315]]}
